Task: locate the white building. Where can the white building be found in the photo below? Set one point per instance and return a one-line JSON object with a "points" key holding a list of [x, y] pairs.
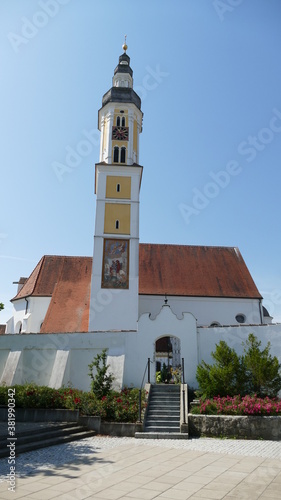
{"points": [[130, 295]]}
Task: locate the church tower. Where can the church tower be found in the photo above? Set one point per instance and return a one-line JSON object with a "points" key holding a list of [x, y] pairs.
{"points": [[115, 274]]}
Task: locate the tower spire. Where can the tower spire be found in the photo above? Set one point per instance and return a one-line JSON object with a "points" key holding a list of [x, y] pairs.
{"points": [[125, 46]]}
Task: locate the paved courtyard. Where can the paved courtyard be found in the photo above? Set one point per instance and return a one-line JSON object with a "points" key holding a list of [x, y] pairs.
{"points": [[124, 468]]}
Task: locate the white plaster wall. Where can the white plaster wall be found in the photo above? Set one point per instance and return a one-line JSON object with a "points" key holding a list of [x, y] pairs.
{"points": [[30, 319], [39, 350], [4, 353], [141, 346], [38, 307], [39, 354], [112, 309], [235, 336], [18, 315], [205, 310], [36, 365]]}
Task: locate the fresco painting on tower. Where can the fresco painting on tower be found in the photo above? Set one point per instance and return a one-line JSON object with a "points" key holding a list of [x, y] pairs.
{"points": [[115, 264]]}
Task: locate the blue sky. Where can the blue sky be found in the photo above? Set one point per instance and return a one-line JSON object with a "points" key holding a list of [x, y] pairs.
{"points": [[209, 76]]}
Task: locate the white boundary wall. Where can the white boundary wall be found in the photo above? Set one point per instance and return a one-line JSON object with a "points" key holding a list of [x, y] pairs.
{"points": [[127, 351]]}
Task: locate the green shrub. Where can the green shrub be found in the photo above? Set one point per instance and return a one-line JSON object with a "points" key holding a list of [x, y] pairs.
{"points": [[3, 395], [225, 376], [122, 406], [101, 383], [256, 372], [263, 370], [165, 373]]}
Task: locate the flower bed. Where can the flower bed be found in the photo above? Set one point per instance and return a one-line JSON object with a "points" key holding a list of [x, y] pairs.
{"points": [[115, 407], [237, 405]]}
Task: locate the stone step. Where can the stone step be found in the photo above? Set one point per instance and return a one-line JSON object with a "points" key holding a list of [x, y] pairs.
{"points": [[164, 394], [164, 408], [162, 413], [162, 418], [41, 430], [46, 437], [164, 404], [166, 387], [156, 429], [164, 400], [162, 423], [161, 435]]}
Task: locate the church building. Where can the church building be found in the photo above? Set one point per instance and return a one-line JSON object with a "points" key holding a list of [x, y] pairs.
{"points": [[138, 300]]}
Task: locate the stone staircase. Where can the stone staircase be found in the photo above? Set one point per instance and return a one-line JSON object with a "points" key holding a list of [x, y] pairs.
{"points": [[51, 435], [163, 414]]}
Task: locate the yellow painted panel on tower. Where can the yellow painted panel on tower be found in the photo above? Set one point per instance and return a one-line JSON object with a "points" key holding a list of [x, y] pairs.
{"points": [[118, 187], [117, 218]]}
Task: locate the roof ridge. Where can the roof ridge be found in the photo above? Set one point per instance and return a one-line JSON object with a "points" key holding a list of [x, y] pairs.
{"points": [[38, 265], [69, 256], [194, 246], [38, 274]]}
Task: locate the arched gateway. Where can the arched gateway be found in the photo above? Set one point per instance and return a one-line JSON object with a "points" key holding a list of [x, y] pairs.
{"points": [[168, 353]]}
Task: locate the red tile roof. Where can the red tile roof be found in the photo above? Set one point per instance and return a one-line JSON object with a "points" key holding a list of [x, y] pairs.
{"points": [[43, 278], [195, 271], [69, 308], [163, 269]]}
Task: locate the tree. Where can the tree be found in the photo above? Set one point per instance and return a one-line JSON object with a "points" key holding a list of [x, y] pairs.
{"points": [[225, 377], [102, 381], [255, 372], [262, 369], [1, 306]]}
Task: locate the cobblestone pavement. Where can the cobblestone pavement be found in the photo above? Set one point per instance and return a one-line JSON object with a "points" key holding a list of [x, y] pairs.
{"points": [[127, 468]]}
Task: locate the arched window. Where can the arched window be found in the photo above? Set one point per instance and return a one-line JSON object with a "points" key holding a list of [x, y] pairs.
{"points": [[117, 224], [18, 328], [123, 121], [118, 188], [116, 154], [118, 121], [123, 155]]}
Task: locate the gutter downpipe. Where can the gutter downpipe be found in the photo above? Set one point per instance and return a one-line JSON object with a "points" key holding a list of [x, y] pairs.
{"points": [[260, 304]]}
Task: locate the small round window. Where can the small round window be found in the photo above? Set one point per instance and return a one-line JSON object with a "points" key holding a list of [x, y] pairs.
{"points": [[240, 318]]}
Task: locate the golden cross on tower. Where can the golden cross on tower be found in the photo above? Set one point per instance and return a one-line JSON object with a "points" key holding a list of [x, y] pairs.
{"points": [[125, 46]]}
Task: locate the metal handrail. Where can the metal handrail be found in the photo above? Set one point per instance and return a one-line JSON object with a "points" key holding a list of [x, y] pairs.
{"points": [[147, 367], [183, 390]]}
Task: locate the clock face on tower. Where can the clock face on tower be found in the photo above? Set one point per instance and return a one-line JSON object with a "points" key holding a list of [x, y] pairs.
{"points": [[120, 133]]}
